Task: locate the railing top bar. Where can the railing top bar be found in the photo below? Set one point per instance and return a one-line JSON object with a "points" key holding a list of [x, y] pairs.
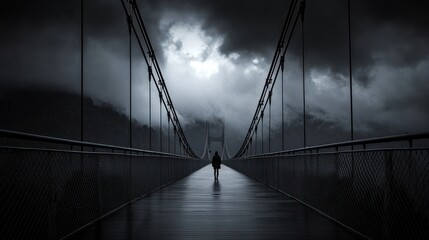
{"points": [[394, 138], [48, 139]]}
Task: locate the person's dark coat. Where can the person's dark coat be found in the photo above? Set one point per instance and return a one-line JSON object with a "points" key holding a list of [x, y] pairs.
{"points": [[216, 161]]}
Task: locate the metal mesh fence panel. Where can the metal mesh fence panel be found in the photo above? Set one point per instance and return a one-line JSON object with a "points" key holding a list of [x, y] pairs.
{"points": [[27, 177], [48, 194], [382, 194], [74, 192]]}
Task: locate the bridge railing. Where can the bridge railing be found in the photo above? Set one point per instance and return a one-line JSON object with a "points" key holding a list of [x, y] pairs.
{"points": [[52, 192], [376, 191]]}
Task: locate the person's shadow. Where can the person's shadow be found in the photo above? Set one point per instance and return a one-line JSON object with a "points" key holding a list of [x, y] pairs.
{"points": [[216, 189]]}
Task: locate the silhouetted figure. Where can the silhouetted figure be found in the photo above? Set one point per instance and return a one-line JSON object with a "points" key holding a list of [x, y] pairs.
{"points": [[216, 161]]}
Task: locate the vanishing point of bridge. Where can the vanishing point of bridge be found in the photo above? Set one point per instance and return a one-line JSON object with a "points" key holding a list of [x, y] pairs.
{"points": [[56, 188]]}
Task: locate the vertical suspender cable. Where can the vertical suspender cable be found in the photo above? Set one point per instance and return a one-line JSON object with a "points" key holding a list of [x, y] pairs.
{"points": [[131, 79], [350, 76], [303, 68], [282, 62], [150, 108], [249, 148], [255, 143], [262, 133], [256, 140], [351, 88], [160, 121], [81, 81], [269, 123], [81, 72], [174, 139], [168, 132]]}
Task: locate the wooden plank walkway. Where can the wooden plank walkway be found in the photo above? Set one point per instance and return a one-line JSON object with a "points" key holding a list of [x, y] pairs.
{"points": [[197, 207]]}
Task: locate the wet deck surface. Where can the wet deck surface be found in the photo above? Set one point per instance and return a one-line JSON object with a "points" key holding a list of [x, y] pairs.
{"points": [[197, 207]]}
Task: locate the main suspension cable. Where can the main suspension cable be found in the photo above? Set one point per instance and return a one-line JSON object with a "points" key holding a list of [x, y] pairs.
{"points": [[157, 77], [274, 70]]}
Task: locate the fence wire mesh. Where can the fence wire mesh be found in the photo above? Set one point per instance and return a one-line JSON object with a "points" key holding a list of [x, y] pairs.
{"points": [[48, 194], [382, 194]]}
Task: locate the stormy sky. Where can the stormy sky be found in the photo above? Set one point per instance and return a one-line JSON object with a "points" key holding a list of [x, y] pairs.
{"points": [[215, 57]]}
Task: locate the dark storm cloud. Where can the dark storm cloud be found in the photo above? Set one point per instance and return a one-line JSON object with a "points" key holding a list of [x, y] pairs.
{"points": [[252, 27], [394, 32], [247, 26], [326, 38], [390, 31]]}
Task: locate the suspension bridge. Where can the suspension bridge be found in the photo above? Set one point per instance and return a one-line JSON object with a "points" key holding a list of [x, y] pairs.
{"points": [[58, 188]]}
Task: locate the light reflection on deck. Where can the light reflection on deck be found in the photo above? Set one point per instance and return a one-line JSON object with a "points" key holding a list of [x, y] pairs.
{"points": [[197, 207]]}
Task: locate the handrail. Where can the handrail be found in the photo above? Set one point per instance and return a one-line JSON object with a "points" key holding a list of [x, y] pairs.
{"points": [[364, 142], [48, 139]]}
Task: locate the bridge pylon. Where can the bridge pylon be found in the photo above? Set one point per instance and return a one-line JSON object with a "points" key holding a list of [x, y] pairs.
{"points": [[215, 134]]}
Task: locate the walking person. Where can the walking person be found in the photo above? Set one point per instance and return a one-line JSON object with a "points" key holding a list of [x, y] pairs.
{"points": [[216, 162]]}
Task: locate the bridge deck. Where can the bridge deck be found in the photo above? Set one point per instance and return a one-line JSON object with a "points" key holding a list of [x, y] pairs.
{"points": [[197, 207]]}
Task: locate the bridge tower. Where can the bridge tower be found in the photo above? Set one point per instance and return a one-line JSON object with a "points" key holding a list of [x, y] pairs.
{"points": [[215, 134]]}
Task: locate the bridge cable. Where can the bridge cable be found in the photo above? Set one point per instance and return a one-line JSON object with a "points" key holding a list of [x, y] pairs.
{"points": [[256, 118], [167, 103], [161, 88], [249, 149], [278, 69], [286, 25], [205, 145], [227, 149], [168, 131], [150, 106], [269, 122], [282, 62], [174, 139], [130, 19], [81, 72], [261, 106], [262, 132], [256, 139], [223, 150], [350, 74], [160, 121], [302, 8]]}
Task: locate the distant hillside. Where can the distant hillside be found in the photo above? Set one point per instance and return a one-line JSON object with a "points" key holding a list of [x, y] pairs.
{"points": [[57, 114]]}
